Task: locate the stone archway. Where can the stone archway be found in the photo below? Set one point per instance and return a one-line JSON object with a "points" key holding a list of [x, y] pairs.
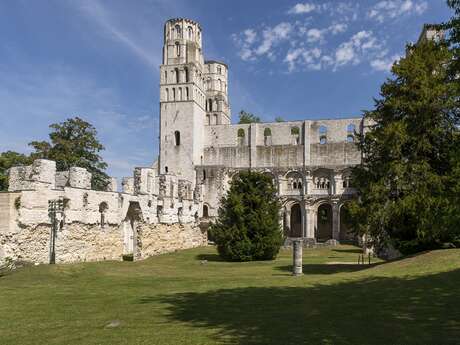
{"points": [[324, 223], [130, 223], [296, 221]]}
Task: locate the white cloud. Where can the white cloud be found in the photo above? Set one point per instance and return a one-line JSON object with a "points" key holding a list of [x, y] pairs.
{"points": [[309, 58], [315, 35], [391, 9], [338, 28], [272, 36], [385, 63], [302, 8], [250, 36], [358, 46]]}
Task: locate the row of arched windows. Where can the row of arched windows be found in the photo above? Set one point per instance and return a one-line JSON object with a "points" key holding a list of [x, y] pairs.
{"points": [[219, 85], [212, 119], [176, 32], [322, 132], [176, 76], [218, 69], [177, 94]]}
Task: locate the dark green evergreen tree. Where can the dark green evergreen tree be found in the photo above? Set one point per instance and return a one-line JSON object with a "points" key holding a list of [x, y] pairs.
{"points": [[409, 155], [248, 224], [74, 142]]}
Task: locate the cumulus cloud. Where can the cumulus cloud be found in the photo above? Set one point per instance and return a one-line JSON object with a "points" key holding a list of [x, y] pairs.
{"points": [[359, 45], [304, 46], [391, 9], [302, 8], [384, 63]]}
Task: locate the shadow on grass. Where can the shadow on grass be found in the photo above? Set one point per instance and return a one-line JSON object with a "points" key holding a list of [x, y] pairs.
{"points": [[357, 250], [381, 310], [209, 257], [327, 269]]}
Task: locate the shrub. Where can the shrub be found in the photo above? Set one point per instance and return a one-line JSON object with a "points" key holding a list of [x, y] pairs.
{"points": [[248, 223]]}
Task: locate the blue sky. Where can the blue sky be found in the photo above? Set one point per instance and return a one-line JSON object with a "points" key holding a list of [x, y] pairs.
{"points": [[100, 60]]}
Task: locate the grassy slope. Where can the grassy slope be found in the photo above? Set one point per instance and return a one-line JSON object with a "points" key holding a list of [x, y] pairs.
{"points": [[177, 299]]}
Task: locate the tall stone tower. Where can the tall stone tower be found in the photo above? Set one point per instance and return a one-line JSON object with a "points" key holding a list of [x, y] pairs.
{"points": [[182, 99], [217, 106]]}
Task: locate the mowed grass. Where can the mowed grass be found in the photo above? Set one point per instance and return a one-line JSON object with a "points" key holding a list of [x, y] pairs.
{"points": [[191, 297]]}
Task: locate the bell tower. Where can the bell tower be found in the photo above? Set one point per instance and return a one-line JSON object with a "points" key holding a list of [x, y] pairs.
{"points": [[182, 99]]}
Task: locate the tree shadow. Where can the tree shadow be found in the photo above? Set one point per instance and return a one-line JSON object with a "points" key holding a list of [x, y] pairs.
{"points": [[327, 269], [209, 257], [356, 251], [379, 310]]}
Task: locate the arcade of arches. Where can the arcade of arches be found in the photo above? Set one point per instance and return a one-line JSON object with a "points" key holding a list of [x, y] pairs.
{"points": [[323, 221]]}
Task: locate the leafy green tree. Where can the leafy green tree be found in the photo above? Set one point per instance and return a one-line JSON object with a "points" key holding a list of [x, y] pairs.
{"points": [[10, 159], [279, 119], [409, 155], [248, 225], [74, 143], [247, 118]]}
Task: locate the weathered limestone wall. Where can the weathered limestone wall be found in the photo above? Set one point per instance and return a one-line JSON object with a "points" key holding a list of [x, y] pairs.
{"points": [[165, 238], [79, 242]]}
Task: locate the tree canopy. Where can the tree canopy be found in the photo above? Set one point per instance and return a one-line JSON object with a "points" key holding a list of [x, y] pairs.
{"points": [[245, 117], [406, 182], [74, 142], [10, 159], [248, 223]]}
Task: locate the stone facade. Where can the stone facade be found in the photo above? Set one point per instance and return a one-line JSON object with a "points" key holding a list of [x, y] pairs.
{"points": [[309, 160]]}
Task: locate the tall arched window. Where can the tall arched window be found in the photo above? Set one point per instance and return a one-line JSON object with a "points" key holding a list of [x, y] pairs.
{"points": [[174, 94], [205, 211], [209, 104], [215, 119], [167, 94], [166, 76], [178, 31], [295, 134], [176, 72], [177, 137], [219, 70], [102, 210], [190, 33], [186, 74], [180, 94], [219, 84], [351, 128], [241, 136], [208, 119], [322, 131], [177, 49], [186, 93], [267, 136]]}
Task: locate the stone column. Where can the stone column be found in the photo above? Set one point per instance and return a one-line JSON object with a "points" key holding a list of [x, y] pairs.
{"points": [[310, 226], [297, 247], [335, 221], [338, 184], [288, 223], [308, 183]]}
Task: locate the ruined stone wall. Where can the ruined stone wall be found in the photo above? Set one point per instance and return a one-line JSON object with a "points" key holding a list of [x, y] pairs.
{"points": [[286, 144], [77, 242], [165, 238]]}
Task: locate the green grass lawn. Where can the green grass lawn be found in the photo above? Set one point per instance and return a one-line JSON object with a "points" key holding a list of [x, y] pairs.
{"points": [[181, 299]]}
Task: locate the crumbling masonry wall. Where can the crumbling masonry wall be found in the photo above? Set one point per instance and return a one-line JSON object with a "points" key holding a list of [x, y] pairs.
{"points": [[154, 214]]}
